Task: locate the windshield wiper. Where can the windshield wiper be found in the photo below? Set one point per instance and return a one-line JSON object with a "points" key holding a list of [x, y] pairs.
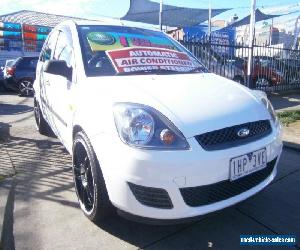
{"points": [[199, 69]]}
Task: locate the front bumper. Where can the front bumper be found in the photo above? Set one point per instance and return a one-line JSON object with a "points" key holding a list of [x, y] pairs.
{"points": [[173, 171]]}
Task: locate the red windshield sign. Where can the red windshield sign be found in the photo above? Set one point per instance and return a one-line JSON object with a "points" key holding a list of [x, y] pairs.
{"points": [[145, 59]]}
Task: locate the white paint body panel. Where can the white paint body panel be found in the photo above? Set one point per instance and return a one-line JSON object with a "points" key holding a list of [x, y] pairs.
{"points": [[195, 103]]}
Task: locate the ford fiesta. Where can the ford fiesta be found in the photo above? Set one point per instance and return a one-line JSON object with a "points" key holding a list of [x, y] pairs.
{"points": [[151, 132]]}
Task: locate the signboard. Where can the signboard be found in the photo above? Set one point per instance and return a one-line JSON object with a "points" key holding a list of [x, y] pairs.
{"points": [[147, 59], [14, 36], [10, 26], [221, 39]]}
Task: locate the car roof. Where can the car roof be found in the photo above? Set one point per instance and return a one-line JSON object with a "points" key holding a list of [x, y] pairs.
{"points": [[29, 57], [21, 58], [108, 22]]}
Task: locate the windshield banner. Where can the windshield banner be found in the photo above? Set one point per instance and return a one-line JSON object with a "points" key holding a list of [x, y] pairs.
{"points": [[102, 41], [148, 59]]}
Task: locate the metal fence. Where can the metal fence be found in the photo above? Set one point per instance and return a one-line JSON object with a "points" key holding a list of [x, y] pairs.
{"points": [[274, 68]]}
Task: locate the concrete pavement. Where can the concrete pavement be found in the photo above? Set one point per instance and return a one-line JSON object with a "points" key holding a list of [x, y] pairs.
{"points": [[285, 102], [41, 210]]}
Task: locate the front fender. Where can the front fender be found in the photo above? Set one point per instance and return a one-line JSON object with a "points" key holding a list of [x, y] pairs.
{"points": [[94, 120]]}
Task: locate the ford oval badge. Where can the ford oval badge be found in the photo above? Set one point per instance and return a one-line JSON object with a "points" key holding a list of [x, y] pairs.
{"points": [[243, 132]]}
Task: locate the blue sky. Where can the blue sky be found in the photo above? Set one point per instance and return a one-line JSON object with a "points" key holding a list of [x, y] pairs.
{"points": [[117, 8]]}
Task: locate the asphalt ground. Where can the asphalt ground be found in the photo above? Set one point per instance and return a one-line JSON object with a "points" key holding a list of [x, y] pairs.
{"points": [[39, 209]]}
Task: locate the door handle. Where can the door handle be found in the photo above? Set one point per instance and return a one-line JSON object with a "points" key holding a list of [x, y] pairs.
{"points": [[47, 82]]}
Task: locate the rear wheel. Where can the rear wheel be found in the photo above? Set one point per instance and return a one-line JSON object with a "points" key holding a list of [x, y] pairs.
{"points": [[25, 87], [41, 124], [89, 182]]}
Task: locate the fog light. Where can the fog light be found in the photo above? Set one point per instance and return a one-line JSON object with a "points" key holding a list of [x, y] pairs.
{"points": [[167, 136]]}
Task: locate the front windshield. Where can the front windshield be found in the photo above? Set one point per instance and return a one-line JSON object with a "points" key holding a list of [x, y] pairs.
{"points": [[118, 50]]}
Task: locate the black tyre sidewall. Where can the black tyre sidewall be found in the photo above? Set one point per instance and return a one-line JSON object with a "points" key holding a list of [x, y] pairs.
{"points": [[102, 206], [37, 109], [41, 125]]}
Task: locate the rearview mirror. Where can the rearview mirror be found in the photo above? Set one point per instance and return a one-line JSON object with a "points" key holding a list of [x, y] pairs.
{"points": [[58, 67]]}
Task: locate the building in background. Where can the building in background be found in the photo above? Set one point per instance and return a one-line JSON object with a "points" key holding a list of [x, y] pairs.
{"points": [[23, 33], [26, 31]]}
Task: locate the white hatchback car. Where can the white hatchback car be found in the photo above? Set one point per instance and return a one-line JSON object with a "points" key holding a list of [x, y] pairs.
{"points": [[151, 132]]}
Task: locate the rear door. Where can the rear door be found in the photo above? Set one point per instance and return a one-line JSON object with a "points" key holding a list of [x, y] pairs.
{"points": [[61, 89], [42, 77]]}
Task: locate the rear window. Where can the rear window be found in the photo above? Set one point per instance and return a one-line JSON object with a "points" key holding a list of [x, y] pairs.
{"points": [[9, 63], [111, 50], [28, 63]]}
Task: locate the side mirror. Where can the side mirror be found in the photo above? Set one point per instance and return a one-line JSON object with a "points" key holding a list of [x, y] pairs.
{"points": [[58, 67]]}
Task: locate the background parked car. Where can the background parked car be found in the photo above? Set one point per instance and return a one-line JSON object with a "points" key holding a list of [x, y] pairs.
{"points": [[8, 63], [235, 67], [3, 73], [290, 68], [265, 73], [1, 77], [229, 67], [20, 75]]}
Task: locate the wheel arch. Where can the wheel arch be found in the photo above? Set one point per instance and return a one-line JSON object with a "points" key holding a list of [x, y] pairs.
{"points": [[76, 129], [26, 78]]}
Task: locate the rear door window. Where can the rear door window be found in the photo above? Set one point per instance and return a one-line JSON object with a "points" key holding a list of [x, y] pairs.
{"points": [[49, 47], [63, 50]]}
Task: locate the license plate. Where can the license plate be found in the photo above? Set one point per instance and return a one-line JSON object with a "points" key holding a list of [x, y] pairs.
{"points": [[246, 164]]}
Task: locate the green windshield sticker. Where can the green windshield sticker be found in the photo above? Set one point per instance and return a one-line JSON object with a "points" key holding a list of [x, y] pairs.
{"points": [[102, 41], [101, 38]]}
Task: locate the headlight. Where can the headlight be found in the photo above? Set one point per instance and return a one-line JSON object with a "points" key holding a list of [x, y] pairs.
{"points": [[270, 108], [144, 127]]}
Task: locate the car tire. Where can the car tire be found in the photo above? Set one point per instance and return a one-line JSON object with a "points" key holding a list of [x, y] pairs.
{"points": [[41, 124], [25, 87], [89, 181], [262, 82]]}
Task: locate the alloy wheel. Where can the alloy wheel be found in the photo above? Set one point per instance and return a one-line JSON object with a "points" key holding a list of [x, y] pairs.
{"points": [[26, 87], [83, 177], [262, 82]]}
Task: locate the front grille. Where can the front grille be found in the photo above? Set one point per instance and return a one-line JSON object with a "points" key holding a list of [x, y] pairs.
{"points": [[228, 137], [208, 194], [152, 197]]}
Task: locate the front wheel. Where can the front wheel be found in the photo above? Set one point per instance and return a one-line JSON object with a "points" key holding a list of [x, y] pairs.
{"points": [[89, 182]]}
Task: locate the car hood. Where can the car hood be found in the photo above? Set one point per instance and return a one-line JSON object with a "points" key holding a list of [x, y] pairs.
{"points": [[195, 103]]}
